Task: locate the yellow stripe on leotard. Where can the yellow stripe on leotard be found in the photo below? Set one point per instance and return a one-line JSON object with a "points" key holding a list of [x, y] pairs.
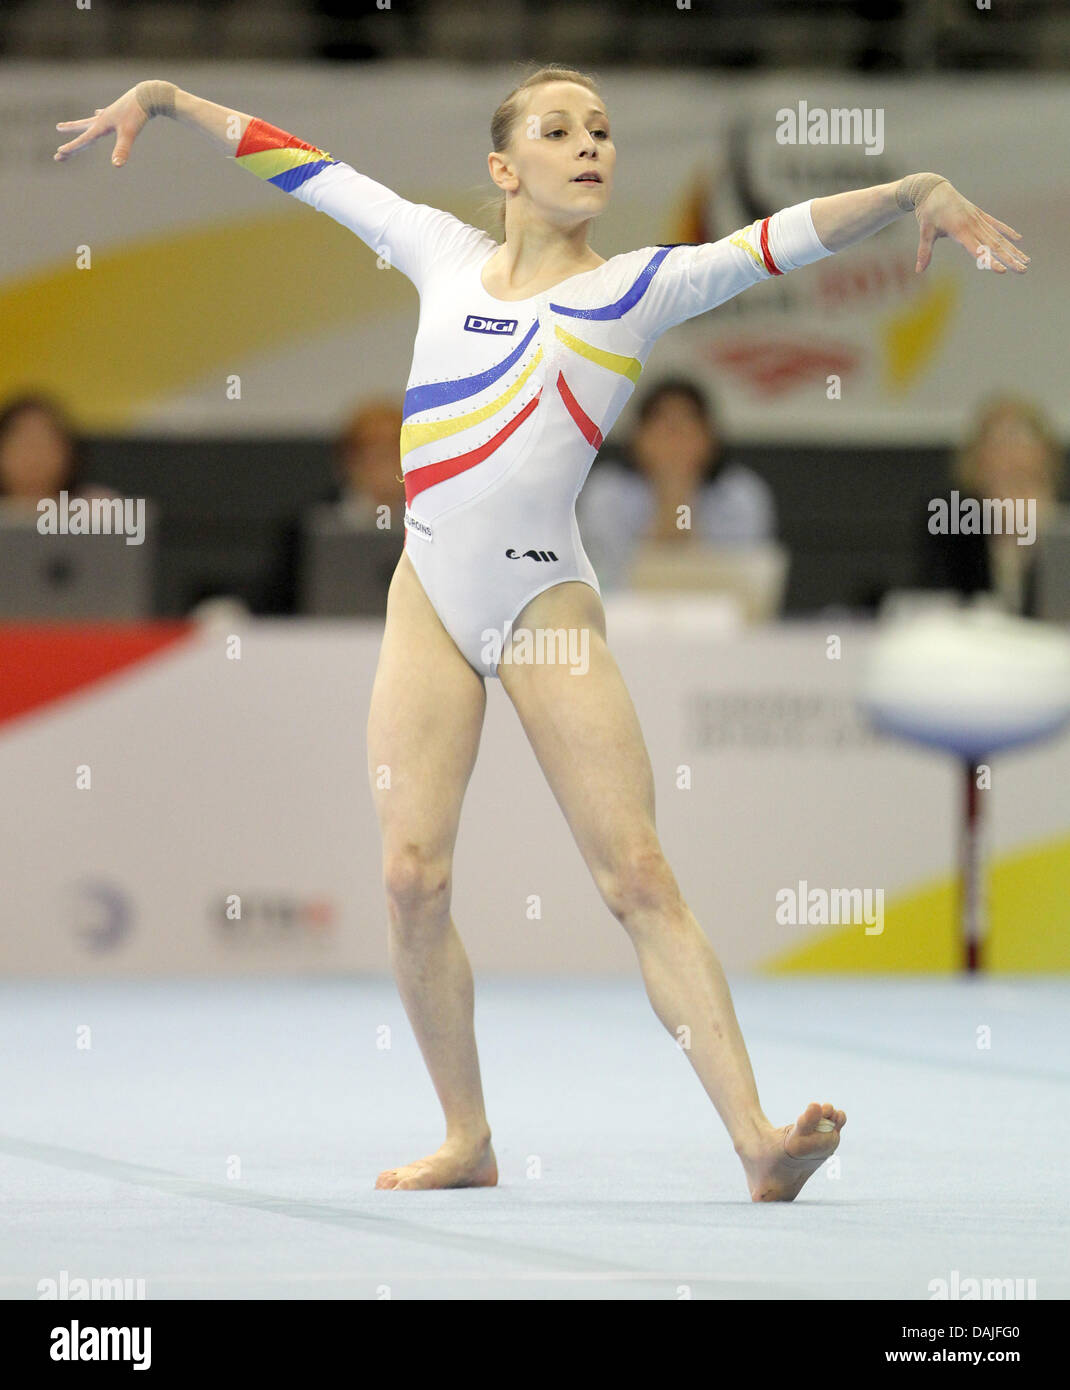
{"points": [[630, 367], [415, 435], [740, 240]]}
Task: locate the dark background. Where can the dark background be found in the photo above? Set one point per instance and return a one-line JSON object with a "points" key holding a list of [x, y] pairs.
{"points": [[852, 518]]}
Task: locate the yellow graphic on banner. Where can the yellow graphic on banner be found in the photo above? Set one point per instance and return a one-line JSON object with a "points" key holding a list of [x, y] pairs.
{"points": [[1028, 928], [913, 335], [215, 297]]}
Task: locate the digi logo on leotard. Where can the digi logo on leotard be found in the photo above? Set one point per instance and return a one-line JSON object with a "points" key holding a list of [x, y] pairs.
{"points": [[476, 323]]}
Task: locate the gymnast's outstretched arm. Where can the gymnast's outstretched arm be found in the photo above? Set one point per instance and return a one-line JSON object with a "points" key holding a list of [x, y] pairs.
{"points": [[410, 236], [940, 209], [128, 115], [689, 279]]}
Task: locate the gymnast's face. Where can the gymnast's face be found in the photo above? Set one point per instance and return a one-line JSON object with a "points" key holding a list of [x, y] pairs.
{"points": [[561, 155]]}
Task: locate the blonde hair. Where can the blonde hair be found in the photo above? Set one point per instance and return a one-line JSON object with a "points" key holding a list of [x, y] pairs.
{"points": [[1028, 413], [505, 120]]}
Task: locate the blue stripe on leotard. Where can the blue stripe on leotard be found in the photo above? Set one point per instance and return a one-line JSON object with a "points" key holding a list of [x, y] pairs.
{"points": [[419, 398], [628, 299]]}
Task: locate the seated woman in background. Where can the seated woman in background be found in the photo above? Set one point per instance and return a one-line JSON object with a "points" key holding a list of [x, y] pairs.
{"points": [[676, 458], [1011, 453], [368, 466], [41, 454]]}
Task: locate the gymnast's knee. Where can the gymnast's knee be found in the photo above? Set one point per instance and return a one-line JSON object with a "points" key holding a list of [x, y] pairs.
{"points": [[417, 883], [640, 889]]}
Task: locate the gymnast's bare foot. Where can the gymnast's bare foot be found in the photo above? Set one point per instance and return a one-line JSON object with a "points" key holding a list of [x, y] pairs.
{"points": [[458, 1163], [782, 1160]]}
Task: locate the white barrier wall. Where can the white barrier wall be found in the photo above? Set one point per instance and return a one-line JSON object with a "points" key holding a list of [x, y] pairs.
{"points": [[211, 776]]}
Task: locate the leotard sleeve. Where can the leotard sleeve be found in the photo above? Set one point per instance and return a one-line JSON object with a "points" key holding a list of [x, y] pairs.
{"points": [[691, 279], [410, 236]]}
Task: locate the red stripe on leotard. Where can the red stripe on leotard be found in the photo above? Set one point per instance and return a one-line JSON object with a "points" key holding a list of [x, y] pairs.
{"points": [[588, 428], [770, 264], [431, 473]]}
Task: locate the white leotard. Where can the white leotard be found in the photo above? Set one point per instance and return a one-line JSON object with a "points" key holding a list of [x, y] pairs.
{"points": [[508, 402]]}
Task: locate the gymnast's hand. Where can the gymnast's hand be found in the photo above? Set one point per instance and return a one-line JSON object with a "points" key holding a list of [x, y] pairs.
{"points": [[945, 212], [125, 117]]}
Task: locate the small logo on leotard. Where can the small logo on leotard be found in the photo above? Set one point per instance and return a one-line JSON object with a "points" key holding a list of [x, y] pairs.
{"points": [[417, 527], [476, 323], [530, 555]]}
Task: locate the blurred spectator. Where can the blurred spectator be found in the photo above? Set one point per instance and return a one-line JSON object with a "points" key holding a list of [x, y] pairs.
{"points": [[367, 468], [41, 454], [368, 465], [1011, 452], [676, 458]]}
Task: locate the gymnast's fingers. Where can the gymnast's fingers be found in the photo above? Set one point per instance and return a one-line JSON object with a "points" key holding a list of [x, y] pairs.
{"points": [[92, 129]]}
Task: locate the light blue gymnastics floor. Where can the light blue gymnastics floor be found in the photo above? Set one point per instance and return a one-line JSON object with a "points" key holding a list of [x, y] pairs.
{"points": [[221, 1139]]}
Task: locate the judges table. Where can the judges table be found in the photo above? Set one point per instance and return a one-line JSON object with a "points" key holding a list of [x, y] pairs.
{"points": [[194, 798]]}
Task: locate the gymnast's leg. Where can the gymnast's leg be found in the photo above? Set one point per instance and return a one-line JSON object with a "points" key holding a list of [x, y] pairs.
{"points": [[585, 734], [423, 733]]}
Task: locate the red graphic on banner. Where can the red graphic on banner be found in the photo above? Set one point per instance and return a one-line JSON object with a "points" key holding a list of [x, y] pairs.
{"points": [[770, 368], [40, 664]]}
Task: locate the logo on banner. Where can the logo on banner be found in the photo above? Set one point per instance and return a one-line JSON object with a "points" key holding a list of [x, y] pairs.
{"points": [[269, 919], [771, 366], [103, 915]]}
